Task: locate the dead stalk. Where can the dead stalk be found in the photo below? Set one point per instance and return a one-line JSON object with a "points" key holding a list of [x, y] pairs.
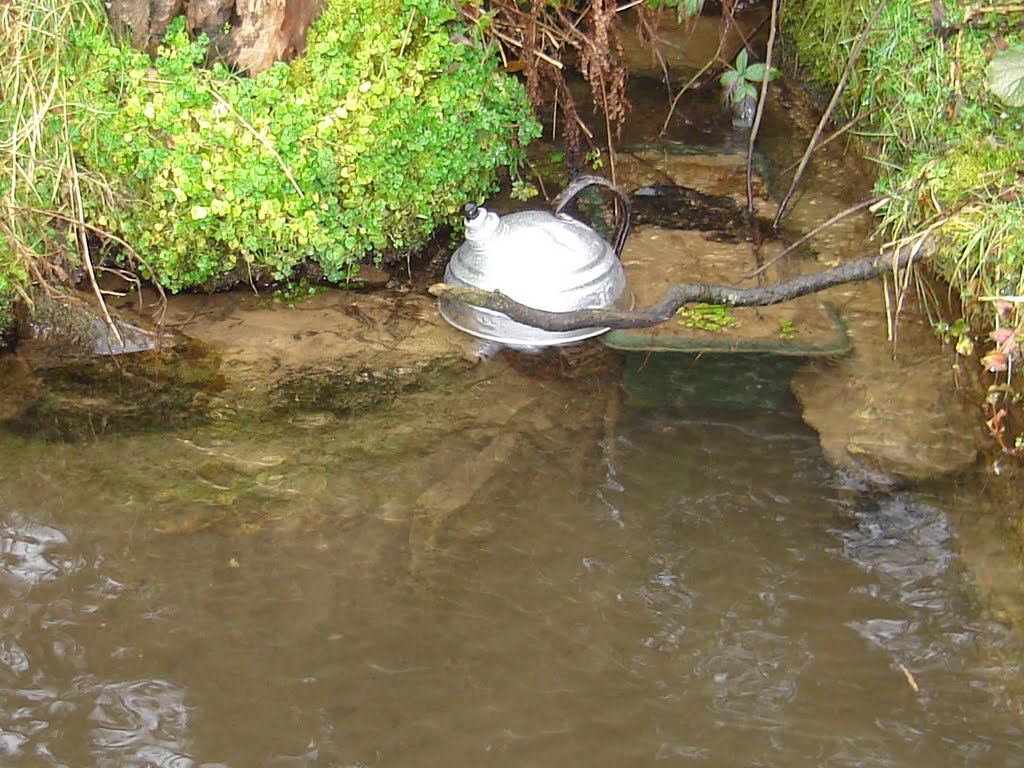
{"points": [[84, 251], [826, 116], [817, 230], [762, 97]]}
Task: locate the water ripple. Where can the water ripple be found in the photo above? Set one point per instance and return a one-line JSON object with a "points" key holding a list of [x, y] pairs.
{"points": [[140, 723], [31, 553]]}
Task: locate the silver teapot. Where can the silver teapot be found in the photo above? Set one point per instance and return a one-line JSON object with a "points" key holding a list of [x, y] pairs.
{"points": [[548, 261]]}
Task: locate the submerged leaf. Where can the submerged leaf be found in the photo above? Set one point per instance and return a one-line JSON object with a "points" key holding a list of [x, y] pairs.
{"points": [[1006, 77]]}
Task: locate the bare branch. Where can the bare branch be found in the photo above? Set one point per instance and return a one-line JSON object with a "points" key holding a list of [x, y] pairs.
{"points": [[685, 293]]}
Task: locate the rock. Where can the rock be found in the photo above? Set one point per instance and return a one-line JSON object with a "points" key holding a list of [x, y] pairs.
{"points": [[889, 419], [18, 386], [330, 332], [70, 327]]}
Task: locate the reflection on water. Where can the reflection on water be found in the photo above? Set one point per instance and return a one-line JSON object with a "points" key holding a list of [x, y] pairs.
{"points": [[506, 573]]}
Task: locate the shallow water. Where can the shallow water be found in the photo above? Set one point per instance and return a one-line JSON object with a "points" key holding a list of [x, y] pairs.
{"points": [[504, 567], [617, 586]]}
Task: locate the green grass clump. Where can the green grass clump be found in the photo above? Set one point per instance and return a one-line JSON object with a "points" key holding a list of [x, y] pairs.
{"points": [[949, 152], [362, 147], [36, 165], [938, 91]]}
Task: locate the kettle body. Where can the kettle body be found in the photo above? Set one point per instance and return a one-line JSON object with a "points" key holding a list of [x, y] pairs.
{"points": [[545, 260]]}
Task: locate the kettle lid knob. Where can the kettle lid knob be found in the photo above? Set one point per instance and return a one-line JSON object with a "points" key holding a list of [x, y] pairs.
{"points": [[481, 224]]}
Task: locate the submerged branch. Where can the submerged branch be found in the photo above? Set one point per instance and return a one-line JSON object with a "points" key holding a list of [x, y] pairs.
{"points": [[685, 293]]}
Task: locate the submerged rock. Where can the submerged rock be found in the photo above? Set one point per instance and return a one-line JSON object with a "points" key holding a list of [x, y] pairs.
{"points": [[889, 413], [82, 400], [69, 327]]}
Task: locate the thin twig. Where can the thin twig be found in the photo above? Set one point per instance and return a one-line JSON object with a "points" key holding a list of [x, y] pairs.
{"points": [[83, 244], [835, 135], [689, 83], [608, 130], [260, 138], [836, 94], [763, 97], [78, 222], [910, 679], [824, 225], [538, 53]]}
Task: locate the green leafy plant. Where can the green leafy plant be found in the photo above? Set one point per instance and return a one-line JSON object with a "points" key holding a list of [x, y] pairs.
{"points": [[786, 329], [361, 147], [523, 190], [948, 332], [740, 81], [706, 317]]}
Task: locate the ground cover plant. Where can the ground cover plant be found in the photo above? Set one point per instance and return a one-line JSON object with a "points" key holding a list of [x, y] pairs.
{"points": [[938, 94], [391, 120]]}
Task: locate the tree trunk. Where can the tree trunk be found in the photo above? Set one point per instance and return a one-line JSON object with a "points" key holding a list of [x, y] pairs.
{"points": [[249, 35]]}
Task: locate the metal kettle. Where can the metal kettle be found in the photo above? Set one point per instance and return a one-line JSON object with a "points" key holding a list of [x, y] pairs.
{"points": [[545, 260]]}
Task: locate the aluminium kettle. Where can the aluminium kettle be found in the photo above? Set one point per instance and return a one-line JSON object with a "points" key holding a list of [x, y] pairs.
{"points": [[545, 260]]}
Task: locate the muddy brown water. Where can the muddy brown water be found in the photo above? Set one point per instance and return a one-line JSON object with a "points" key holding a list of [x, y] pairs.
{"points": [[517, 563], [612, 586]]}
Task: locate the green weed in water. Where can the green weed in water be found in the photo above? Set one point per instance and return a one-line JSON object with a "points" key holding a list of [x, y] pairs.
{"points": [[296, 291], [706, 317], [741, 81]]}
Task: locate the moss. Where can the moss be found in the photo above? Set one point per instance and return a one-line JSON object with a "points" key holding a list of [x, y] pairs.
{"points": [[7, 323], [948, 151], [347, 392], [942, 142], [146, 392]]}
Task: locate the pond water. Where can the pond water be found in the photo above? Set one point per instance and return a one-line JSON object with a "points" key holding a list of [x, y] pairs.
{"points": [[505, 568], [521, 563]]}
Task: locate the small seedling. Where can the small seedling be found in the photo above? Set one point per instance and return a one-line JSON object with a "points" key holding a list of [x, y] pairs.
{"points": [[740, 86], [523, 190], [295, 292]]}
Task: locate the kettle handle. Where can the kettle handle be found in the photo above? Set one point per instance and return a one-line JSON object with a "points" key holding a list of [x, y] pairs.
{"points": [[624, 214]]}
